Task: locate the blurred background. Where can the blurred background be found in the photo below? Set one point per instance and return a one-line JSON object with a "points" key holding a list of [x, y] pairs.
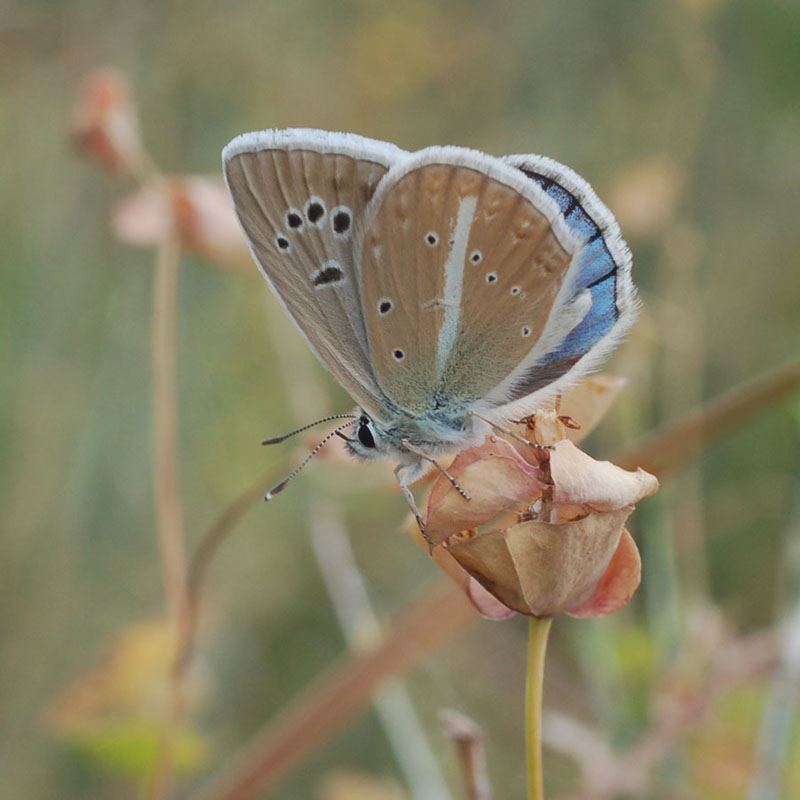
{"points": [[682, 115]]}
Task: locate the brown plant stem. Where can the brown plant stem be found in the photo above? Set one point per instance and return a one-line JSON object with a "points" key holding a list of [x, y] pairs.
{"points": [[169, 522], [438, 615], [675, 445]]}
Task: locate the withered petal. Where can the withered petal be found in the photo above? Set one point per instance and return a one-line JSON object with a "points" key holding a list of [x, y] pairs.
{"points": [[495, 477], [540, 568], [486, 604], [600, 485], [615, 589]]}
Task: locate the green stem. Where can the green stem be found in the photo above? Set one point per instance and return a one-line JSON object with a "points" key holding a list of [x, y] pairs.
{"points": [[538, 632]]}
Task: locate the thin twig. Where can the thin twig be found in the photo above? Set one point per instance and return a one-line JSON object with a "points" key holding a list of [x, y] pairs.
{"points": [[205, 551], [471, 746]]}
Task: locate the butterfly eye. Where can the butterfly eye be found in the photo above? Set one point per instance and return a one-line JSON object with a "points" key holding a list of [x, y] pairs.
{"points": [[365, 434]]}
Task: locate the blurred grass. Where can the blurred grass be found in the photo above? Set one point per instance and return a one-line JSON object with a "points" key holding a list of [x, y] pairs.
{"points": [[711, 87]]}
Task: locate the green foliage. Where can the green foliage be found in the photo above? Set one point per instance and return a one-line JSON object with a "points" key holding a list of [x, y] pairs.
{"points": [[131, 748]]}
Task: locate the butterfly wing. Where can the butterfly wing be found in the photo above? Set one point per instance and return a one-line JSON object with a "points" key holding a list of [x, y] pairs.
{"points": [[300, 196], [467, 265], [602, 269]]}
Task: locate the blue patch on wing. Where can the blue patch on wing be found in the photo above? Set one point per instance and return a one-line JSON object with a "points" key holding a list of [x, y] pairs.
{"points": [[597, 272]]}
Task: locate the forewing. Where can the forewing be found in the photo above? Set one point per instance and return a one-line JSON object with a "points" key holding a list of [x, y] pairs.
{"points": [[463, 261], [300, 196]]}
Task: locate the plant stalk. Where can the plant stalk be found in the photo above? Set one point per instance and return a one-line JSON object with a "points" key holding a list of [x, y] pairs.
{"points": [[166, 488], [538, 632]]}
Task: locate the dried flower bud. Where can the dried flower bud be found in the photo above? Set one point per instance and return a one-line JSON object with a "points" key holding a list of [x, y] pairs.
{"points": [[552, 535], [105, 123]]}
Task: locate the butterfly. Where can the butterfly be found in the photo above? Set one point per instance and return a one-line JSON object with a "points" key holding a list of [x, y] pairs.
{"points": [[446, 290]]}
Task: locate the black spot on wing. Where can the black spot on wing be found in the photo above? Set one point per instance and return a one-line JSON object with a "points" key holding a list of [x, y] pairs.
{"points": [[341, 221], [329, 273]]}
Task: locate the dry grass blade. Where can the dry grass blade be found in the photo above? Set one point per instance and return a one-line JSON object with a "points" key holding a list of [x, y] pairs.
{"points": [[675, 445], [437, 616]]}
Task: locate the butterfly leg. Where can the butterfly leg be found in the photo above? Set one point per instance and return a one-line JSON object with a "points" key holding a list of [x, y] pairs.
{"points": [[413, 505], [438, 466], [512, 434]]}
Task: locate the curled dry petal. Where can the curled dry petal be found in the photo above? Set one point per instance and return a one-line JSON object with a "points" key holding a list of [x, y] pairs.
{"points": [[207, 224], [598, 485], [200, 209], [105, 124], [620, 580], [495, 477], [486, 604], [540, 568]]}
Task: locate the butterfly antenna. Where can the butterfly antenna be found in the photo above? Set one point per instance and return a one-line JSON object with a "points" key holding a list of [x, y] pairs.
{"points": [[282, 485], [286, 436]]}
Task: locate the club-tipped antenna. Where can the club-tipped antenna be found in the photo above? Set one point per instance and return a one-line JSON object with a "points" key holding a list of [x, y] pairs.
{"points": [[282, 485], [277, 439]]}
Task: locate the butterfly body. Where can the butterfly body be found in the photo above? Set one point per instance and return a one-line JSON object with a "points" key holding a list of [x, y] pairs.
{"points": [[402, 438], [443, 289]]}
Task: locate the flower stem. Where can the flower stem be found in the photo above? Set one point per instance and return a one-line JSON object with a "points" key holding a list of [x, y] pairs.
{"points": [[538, 632], [169, 520]]}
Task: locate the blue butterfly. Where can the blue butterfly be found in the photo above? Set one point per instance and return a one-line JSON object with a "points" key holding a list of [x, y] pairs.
{"points": [[446, 290]]}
